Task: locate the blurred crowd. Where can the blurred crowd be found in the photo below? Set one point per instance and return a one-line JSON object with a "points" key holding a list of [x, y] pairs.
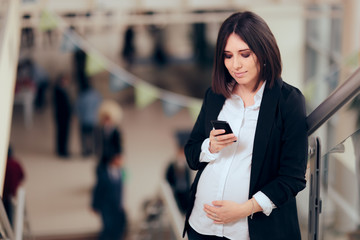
{"points": [[99, 127]]}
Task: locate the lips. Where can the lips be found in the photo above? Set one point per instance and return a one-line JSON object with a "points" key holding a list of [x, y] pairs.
{"points": [[240, 74]]}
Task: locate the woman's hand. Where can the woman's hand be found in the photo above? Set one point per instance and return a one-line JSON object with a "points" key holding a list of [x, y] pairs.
{"points": [[218, 141], [223, 212]]}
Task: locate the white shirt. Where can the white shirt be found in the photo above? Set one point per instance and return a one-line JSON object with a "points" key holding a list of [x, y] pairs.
{"points": [[227, 175]]}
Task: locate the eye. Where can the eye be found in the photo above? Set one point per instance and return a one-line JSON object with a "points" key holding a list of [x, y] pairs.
{"points": [[245, 54], [226, 55]]}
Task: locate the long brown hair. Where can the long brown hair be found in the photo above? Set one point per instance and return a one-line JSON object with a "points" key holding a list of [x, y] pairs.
{"points": [[254, 31]]}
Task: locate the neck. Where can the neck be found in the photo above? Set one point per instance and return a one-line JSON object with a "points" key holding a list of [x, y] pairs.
{"points": [[247, 93]]}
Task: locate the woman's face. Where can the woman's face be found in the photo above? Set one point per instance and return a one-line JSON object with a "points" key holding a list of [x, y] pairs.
{"points": [[241, 62]]}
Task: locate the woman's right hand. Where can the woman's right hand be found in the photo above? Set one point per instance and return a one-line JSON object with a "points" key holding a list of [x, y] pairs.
{"points": [[218, 141]]}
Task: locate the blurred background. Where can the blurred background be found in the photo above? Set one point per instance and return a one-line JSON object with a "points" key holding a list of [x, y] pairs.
{"points": [[154, 59]]}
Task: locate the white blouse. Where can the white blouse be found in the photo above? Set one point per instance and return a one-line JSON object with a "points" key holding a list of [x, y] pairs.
{"points": [[227, 175]]}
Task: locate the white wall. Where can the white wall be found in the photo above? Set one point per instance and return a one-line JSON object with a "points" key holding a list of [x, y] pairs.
{"points": [[9, 47]]}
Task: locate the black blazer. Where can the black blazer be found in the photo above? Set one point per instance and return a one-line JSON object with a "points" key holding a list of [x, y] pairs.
{"points": [[108, 144], [279, 157]]}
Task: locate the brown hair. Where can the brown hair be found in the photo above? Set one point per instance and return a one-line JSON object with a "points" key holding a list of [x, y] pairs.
{"points": [[254, 31]]}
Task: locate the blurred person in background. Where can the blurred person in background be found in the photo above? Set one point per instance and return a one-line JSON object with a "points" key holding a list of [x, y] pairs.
{"points": [[202, 54], [30, 70], [128, 49], [79, 62], [41, 79], [107, 199], [62, 114], [247, 181], [159, 55], [14, 177], [178, 173], [87, 105], [109, 135], [27, 32]]}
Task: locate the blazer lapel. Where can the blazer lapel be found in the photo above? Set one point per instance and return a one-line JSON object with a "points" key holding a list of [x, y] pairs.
{"points": [[215, 105], [265, 122]]}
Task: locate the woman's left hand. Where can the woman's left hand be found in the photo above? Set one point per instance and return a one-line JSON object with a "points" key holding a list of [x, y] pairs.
{"points": [[224, 211]]}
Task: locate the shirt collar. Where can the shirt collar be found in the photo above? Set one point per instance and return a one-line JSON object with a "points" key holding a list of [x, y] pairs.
{"points": [[257, 98]]}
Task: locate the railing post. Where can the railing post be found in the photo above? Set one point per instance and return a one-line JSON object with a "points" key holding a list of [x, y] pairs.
{"points": [[314, 196], [176, 219], [6, 231], [19, 214]]}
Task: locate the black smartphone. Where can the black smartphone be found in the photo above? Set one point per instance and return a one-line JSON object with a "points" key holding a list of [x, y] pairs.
{"points": [[217, 124]]}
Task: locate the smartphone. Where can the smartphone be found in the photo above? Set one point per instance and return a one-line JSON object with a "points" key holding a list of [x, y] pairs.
{"points": [[217, 124]]}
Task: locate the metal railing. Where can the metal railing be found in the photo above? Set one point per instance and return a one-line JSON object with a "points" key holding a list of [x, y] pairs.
{"points": [[176, 218], [342, 95], [6, 231], [19, 214], [334, 102], [20, 223]]}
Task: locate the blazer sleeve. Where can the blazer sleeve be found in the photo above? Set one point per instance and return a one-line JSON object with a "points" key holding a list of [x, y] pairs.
{"points": [[290, 176], [197, 136]]}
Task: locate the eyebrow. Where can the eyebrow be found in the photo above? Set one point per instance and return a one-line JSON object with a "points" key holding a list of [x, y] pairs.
{"points": [[242, 50]]}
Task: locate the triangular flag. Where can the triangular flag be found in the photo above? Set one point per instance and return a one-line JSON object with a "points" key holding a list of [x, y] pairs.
{"points": [[68, 43], [94, 64], [170, 109], [194, 108], [116, 84], [310, 91], [145, 94], [353, 60], [48, 21]]}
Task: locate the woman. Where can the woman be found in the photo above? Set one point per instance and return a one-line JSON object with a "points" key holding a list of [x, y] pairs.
{"points": [[110, 173], [247, 181], [108, 135]]}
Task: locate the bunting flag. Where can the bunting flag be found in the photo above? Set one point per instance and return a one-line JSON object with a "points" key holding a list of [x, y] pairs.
{"points": [[94, 64], [170, 109], [120, 79], [116, 84], [145, 94], [194, 108], [48, 21], [68, 43], [310, 91], [353, 60]]}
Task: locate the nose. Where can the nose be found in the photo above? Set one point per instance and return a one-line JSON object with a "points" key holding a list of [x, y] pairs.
{"points": [[237, 64]]}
